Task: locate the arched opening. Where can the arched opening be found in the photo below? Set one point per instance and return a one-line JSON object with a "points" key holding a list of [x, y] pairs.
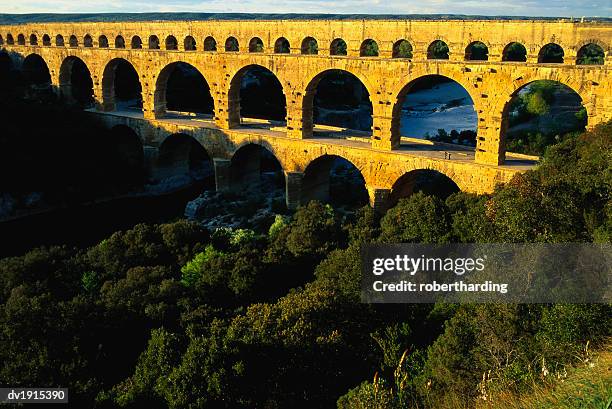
{"points": [[255, 170], [590, 54], [125, 158], [9, 39], [73, 41], [310, 46], [36, 76], [477, 51], [182, 161], [121, 88], [540, 114], [153, 43], [46, 40], [256, 45], [181, 88], [1, 40], [119, 42], [20, 39], [136, 42], [338, 47], [6, 68], [171, 43], [428, 181], [402, 49], [76, 85], [337, 98], [189, 43], [369, 48], [551, 54], [210, 44], [59, 40], [260, 94], [231, 44], [88, 41], [103, 41], [437, 108], [515, 52], [282, 46], [33, 39], [334, 180], [437, 50]]}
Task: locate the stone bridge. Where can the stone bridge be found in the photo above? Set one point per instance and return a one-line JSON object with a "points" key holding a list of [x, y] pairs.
{"points": [[387, 56]]}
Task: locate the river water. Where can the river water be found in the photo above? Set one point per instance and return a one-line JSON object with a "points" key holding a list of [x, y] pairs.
{"points": [[445, 106]]}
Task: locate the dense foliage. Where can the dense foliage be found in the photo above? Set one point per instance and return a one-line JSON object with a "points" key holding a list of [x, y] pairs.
{"points": [[175, 316]]}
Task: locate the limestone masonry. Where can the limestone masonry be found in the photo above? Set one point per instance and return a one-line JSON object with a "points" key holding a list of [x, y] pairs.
{"points": [[151, 47]]}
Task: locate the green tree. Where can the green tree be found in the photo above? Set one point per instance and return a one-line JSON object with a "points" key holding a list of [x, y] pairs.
{"points": [[419, 218]]}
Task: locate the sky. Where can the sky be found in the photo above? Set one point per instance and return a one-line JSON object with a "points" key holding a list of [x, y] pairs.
{"points": [[536, 8]]}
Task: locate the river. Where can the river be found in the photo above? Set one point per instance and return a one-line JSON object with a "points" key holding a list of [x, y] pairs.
{"points": [[445, 106]]}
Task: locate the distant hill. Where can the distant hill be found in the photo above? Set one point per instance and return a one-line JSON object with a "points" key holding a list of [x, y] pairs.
{"points": [[98, 17]]}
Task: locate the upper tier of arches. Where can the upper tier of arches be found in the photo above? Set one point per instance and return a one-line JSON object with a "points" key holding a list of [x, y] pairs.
{"points": [[590, 52]]}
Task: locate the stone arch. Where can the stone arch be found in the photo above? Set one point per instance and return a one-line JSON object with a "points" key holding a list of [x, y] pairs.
{"points": [[551, 53], [59, 40], [438, 50], [171, 43], [402, 49], [504, 104], [249, 165], [402, 91], [76, 84], [73, 41], [338, 47], [37, 75], [153, 42], [334, 179], [426, 180], [121, 82], [46, 40], [591, 54], [210, 44], [126, 155], [368, 48], [282, 46], [119, 42], [232, 45], [180, 154], [36, 69], [136, 42], [87, 41], [311, 90], [21, 39], [477, 51], [199, 88], [9, 39], [234, 94], [33, 39], [103, 41], [514, 51], [189, 43], [310, 46], [256, 45]]}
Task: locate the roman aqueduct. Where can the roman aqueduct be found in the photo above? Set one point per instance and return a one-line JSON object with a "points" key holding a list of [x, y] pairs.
{"points": [[299, 53]]}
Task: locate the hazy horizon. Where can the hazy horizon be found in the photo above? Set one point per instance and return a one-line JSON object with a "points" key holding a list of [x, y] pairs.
{"points": [[530, 8]]}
